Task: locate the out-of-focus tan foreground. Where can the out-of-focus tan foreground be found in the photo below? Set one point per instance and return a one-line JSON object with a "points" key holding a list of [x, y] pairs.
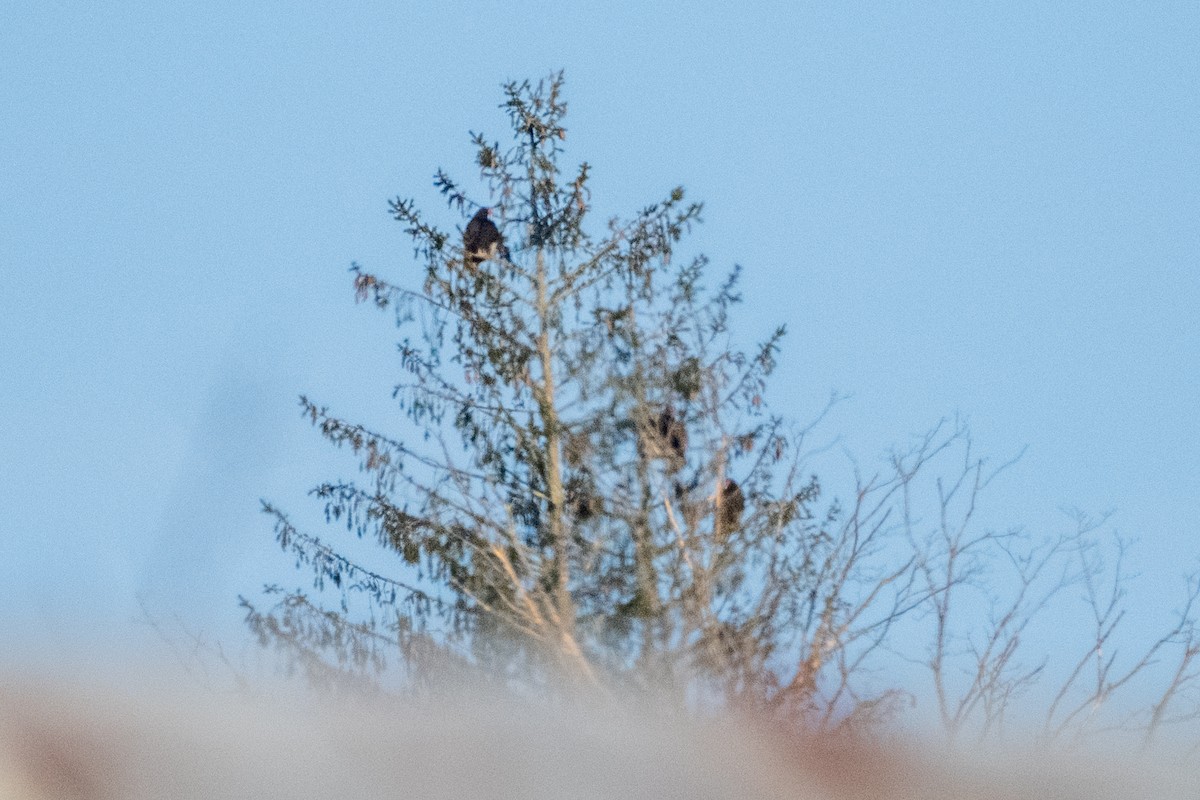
{"points": [[67, 743]]}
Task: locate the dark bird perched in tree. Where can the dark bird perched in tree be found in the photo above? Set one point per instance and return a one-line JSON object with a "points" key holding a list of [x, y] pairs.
{"points": [[582, 500], [730, 503], [666, 437], [482, 239]]}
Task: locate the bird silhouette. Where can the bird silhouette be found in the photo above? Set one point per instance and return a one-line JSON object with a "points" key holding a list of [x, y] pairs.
{"points": [[730, 503], [482, 239]]}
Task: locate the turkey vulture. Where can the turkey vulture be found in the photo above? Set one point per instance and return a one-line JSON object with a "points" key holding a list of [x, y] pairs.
{"points": [[730, 504], [482, 239], [667, 438]]}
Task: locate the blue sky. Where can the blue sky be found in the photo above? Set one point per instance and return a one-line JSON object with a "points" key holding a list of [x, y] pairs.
{"points": [[974, 208]]}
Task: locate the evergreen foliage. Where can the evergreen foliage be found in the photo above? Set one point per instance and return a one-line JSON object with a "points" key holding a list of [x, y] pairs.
{"points": [[592, 490]]}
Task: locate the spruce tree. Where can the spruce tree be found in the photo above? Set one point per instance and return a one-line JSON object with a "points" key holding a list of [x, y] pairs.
{"points": [[590, 486], [590, 490]]}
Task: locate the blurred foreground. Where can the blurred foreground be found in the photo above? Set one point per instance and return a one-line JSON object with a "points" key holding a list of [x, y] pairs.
{"points": [[70, 742]]}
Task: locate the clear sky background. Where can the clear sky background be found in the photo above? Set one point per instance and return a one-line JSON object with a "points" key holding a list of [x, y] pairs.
{"points": [[987, 209]]}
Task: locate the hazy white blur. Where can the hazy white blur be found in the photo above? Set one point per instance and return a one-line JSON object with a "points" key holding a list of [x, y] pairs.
{"points": [[64, 742]]}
